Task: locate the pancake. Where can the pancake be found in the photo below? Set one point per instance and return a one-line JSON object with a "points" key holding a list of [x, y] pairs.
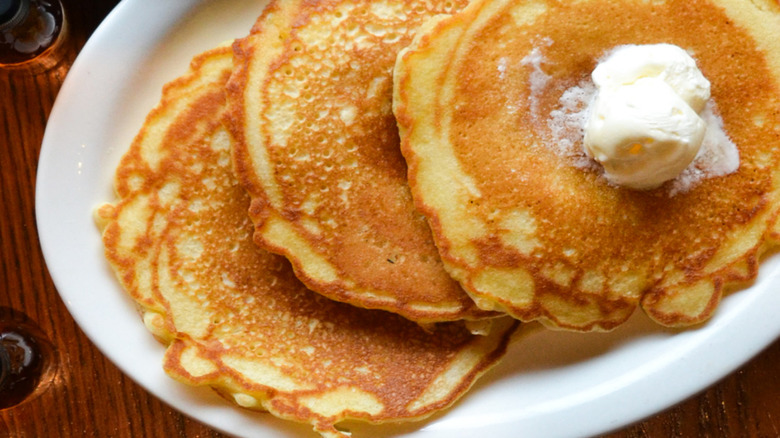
{"points": [[235, 317], [527, 229], [317, 149]]}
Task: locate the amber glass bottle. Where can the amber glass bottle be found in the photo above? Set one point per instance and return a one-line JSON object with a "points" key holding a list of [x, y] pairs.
{"points": [[27, 362], [31, 34]]}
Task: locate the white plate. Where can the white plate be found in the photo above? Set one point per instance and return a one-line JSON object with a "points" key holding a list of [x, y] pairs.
{"points": [[551, 384]]}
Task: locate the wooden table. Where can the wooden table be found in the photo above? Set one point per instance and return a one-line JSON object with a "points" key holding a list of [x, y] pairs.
{"points": [[91, 397]]}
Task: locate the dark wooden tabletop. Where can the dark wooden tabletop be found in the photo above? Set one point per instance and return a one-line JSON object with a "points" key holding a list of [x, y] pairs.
{"points": [[90, 397]]}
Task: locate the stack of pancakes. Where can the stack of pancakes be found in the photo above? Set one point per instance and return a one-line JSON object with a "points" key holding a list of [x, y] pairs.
{"points": [[275, 240]]}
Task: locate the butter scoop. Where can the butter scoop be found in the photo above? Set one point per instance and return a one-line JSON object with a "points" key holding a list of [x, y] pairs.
{"points": [[644, 125]]}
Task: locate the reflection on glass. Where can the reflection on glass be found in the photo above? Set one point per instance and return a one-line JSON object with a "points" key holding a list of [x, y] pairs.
{"points": [[26, 359], [31, 34], [5, 365]]}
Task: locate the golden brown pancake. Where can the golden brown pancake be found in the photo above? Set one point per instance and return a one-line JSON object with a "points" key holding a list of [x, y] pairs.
{"points": [[235, 317], [317, 149], [527, 231]]}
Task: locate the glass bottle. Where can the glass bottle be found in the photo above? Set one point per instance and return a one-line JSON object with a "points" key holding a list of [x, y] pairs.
{"points": [[31, 34], [26, 359]]}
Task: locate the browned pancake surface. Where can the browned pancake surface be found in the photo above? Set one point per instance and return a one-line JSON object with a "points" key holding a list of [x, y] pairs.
{"points": [[559, 243], [235, 317], [318, 150]]}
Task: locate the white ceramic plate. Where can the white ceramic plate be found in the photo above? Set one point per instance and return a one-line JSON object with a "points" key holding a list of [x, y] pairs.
{"points": [[551, 384]]}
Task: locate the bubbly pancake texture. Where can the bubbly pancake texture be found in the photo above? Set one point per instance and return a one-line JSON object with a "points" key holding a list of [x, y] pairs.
{"points": [[235, 317], [317, 149], [528, 230]]}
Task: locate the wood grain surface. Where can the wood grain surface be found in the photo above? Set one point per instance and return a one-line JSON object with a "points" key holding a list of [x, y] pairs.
{"points": [[90, 397]]}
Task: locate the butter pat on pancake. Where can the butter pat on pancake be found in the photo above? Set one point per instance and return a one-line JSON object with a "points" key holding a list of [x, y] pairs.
{"points": [[522, 223], [317, 149], [235, 317]]}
